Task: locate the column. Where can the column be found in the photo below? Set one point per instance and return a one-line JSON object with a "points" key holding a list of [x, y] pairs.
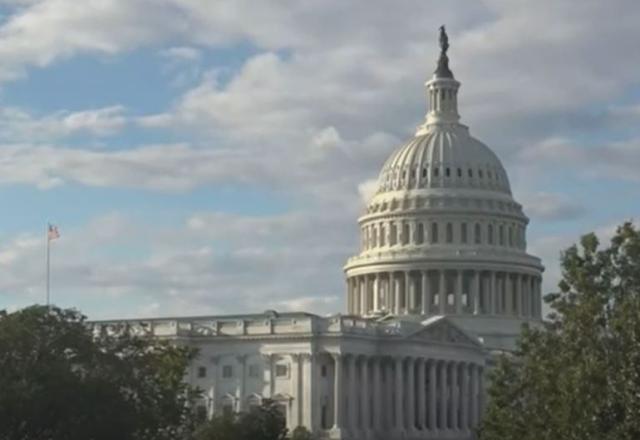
{"points": [[508, 284], [433, 423], [367, 294], [407, 292], [422, 395], [443, 395], [352, 421], [310, 376], [538, 308], [455, 395], [337, 392], [268, 359], [361, 296], [243, 374], [464, 398], [399, 397], [377, 394], [458, 294], [476, 292], [389, 395], [518, 294], [481, 394], [355, 296], [396, 296], [493, 294], [442, 292], [376, 292], [365, 411], [410, 402], [215, 360], [425, 292], [296, 380], [525, 307], [349, 297], [474, 396], [413, 295]]}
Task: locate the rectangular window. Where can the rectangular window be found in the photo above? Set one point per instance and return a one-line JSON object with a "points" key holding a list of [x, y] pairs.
{"points": [[463, 232], [323, 371], [227, 371], [434, 232], [254, 370], [202, 372], [282, 370], [449, 233]]}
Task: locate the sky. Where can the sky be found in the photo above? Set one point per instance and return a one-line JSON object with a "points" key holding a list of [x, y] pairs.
{"points": [[208, 157]]}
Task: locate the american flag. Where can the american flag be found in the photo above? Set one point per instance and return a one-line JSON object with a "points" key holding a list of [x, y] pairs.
{"points": [[53, 233]]}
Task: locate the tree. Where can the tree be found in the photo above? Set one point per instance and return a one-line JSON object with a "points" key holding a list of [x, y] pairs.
{"points": [[264, 422], [58, 381], [301, 433], [578, 377]]}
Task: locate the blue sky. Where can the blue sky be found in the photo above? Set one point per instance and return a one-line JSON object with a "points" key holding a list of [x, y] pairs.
{"points": [[209, 157]]}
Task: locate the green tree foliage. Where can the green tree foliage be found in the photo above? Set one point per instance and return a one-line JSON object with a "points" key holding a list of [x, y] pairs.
{"points": [[301, 433], [264, 422], [58, 381], [579, 376]]}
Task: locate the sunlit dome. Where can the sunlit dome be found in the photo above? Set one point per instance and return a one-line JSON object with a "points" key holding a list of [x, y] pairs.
{"points": [[443, 235], [443, 157]]}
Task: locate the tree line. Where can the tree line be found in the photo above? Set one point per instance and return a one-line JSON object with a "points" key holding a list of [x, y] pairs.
{"points": [[575, 377]]}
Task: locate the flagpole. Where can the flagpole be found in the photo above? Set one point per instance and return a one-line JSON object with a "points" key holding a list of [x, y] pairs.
{"points": [[48, 265]]}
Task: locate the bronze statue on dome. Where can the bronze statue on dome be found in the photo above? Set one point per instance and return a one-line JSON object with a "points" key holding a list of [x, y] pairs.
{"points": [[442, 71], [444, 39]]}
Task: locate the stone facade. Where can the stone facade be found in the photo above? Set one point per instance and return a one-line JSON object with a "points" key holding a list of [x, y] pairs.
{"points": [[442, 281], [342, 377]]}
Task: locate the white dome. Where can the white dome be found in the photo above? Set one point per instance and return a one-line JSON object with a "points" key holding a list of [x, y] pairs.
{"points": [[446, 156], [443, 234]]}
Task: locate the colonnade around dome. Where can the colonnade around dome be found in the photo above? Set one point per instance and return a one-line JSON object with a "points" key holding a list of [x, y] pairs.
{"points": [[445, 292]]}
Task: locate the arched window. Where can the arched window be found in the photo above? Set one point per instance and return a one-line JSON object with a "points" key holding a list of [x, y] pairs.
{"points": [[424, 172], [448, 171], [434, 232], [490, 234], [477, 234], [449, 233], [463, 233]]}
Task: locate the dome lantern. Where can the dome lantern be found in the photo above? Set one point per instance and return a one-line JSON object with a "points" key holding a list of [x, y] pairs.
{"points": [[442, 90]]}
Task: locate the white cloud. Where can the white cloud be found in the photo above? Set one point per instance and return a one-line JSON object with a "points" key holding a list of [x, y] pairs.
{"points": [[19, 125], [216, 263], [545, 206], [313, 115], [173, 167], [617, 159]]}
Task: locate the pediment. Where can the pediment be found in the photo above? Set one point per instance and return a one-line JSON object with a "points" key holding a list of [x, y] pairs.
{"points": [[439, 329]]}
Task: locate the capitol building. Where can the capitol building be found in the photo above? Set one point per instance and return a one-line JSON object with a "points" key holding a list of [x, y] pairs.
{"points": [[441, 283]]}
